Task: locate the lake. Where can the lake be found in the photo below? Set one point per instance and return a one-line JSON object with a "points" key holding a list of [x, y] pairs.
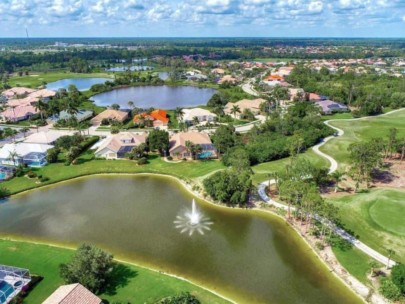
{"points": [[248, 256], [165, 97], [82, 84]]}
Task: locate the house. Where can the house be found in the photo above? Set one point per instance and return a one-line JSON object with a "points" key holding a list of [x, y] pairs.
{"points": [[158, 117], [330, 106], [201, 114], [251, 104], [81, 115], [46, 138], [27, 101], [33, 155], [178, 147], [72, 294], [218, 71], [17, 92], [227, 78], [44, 94], [18, 113], [296, 93], [109, 114], [117, 146]]}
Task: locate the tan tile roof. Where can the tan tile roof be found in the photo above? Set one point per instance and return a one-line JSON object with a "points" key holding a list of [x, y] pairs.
{"points": [[243, 104], [115, 142], [110, 114], [17, 91], [180, 139], [44, 93], [72, 294]]}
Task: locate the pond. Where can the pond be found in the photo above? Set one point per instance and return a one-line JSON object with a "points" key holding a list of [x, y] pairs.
{"points": [[165, 97], [247, 256], [82, 84]]}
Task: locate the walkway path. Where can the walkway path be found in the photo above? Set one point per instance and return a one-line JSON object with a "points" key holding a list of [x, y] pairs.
{"points": [[261, 189]]}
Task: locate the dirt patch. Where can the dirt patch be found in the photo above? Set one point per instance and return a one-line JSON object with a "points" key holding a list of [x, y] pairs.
{"points": [[394, 177]]}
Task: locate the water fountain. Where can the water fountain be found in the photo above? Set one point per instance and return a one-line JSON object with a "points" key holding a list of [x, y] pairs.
{"points": [[192, 220]]}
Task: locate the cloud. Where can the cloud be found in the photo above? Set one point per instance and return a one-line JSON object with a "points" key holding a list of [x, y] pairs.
{"points": [[254, 17]]}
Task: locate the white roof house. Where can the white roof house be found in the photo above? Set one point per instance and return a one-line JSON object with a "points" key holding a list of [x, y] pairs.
{"points": [[201, 114], [47, 138], [21, 150]]}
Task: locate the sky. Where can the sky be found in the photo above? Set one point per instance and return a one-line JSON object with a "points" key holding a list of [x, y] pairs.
{"points": [[202, 18]]}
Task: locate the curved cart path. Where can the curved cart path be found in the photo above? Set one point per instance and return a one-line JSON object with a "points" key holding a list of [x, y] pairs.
{"points": [[261, 189]]}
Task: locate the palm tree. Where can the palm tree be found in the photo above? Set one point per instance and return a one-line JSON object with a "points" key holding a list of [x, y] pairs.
{"points": [[189, 147], [179, 113], [337, 177], [41, 107], [13, 156], [235, 109], [195, 121], [131, 104], [25, 130]]}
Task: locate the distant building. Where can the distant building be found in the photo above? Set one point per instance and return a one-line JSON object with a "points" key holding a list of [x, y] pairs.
{"points": [[157, 117], [18, 113], [330, 106], [110, 114], [201, 114], [17, 92], [117, 146], [250, 104], [178, 145], [228, 78], [72, 294]]}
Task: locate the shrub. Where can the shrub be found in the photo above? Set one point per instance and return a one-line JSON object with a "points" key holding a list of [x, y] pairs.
{"points": [[398, 276], [142, 161], [4, 192], [31, 174], [169, 158], [44, 179], [319, 246], [389, 290], [115, 130]]}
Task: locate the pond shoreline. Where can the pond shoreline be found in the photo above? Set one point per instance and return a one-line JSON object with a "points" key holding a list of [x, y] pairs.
{"points": [[188, 187]]}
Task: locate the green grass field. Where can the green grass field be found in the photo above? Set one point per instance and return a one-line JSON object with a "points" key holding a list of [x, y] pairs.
{"points": [[37, 79], [377, 218], [360, 130], [355, 262], [261, 171], [133, 284], [59, 172]]}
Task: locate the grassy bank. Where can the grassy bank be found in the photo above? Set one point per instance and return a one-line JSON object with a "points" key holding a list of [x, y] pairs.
{"points": [[132, 284], [364, 129], [59, 172], [261, 171], [376, 218], [37, 79]]}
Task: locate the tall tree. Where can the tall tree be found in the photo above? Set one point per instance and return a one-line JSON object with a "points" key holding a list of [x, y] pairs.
{"points": [[90, 266]]}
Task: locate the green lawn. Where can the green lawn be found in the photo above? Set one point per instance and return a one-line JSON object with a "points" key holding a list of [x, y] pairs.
{"points": [[355, 262], [133, 284], [377, 218], [59, 172], [261, 171], [37, 79], [364, 129]]}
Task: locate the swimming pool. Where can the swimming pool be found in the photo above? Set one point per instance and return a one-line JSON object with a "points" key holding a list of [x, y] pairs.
{"points": [[5, 291], [206, 154]]}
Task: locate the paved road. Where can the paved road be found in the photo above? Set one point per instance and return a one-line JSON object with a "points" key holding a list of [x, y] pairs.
{"points": [[247, 87]]}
